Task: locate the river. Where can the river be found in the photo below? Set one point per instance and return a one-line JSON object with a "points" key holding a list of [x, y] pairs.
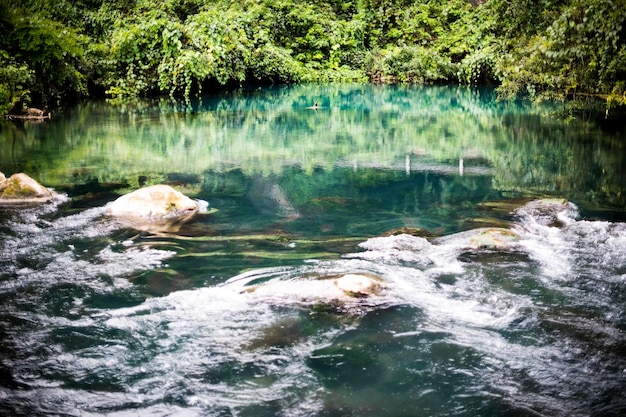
{"points": [[235, 313]]}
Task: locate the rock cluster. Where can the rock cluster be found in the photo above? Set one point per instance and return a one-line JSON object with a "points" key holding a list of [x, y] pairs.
{"points": [[162, 208], [155, 207]]}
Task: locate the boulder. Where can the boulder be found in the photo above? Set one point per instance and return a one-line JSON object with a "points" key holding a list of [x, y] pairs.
{"points": [[20, 188], [320, 290], [492, 238], [551, 212], [156, 202], [359, 285]]}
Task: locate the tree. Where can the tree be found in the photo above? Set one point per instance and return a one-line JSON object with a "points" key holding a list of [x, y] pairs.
{"points": [[580, 54], [43, 56], [540, 49]]}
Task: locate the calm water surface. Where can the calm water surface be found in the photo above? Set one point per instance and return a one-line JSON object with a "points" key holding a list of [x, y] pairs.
{"points": [[99, 319]]}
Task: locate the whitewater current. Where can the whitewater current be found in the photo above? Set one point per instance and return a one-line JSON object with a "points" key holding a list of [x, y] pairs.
{"points": [[534, 327]]}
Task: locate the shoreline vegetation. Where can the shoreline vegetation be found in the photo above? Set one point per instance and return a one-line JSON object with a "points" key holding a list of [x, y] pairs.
{"points": [[570, 51]]}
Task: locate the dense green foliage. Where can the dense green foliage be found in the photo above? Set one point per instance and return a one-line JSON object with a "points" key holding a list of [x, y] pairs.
{"points": [[563, 49]]}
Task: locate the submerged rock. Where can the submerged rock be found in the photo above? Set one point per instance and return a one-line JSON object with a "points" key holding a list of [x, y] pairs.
{"points": [[20, 188], [284, 333], [269, 198], [154, 208]]}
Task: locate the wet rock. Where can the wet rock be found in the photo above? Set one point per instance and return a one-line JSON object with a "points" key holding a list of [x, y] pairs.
{"points": [[336, 290], [551, 212], [20, 188], [359, 285], [492, 238], [398, 248], [157, 202]]}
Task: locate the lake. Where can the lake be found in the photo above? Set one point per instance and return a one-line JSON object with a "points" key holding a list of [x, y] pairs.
{"points": [[237, 311]]}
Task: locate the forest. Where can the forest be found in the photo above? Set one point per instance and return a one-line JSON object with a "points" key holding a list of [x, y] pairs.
{"points": [[56, 52]]}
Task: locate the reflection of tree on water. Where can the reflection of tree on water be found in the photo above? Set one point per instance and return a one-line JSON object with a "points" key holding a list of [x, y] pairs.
{"points": [[342, 201], [263, 131], [549, 157]]}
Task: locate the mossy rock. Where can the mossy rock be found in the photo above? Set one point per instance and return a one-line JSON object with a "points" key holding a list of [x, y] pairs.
{"points": [[22, 188], [492, 238]]}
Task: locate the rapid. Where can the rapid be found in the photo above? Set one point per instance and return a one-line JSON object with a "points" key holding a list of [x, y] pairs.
{"points": [[534, 328]]}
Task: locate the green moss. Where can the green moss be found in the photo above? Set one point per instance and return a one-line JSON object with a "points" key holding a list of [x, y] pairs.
{"points": [[15, 190]]}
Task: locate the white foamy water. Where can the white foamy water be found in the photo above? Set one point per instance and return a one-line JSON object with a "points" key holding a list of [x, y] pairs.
{"points": [[536, 326]]}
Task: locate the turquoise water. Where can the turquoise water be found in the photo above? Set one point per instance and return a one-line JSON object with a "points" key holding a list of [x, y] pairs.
{"points": [[228, 316]]}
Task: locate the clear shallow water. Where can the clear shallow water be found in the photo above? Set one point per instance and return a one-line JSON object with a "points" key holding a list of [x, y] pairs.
{"points": [[100, 319]]}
